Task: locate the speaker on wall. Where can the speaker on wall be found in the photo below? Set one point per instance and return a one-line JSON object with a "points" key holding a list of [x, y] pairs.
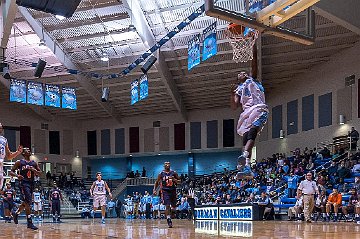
{"points": [[105, 94], [148, 64], [40, 68], [56, 7]]}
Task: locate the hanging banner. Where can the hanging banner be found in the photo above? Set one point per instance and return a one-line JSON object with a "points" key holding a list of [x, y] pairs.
{"points": [[134, 92], [144, 87], [68, 99], [52, 95], [198, 12], [35, 93], [18, 91], [209, 44], [194, 52]]}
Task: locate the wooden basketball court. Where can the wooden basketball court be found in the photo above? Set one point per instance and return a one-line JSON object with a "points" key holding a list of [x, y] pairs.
{"points": [[119, 228]]}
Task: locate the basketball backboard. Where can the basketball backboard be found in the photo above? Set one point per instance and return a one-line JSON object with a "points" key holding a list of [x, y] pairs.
{"points": [[266, 16]]}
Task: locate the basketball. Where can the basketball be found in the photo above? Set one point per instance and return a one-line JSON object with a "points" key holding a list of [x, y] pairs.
{"points": [[236, 29]]}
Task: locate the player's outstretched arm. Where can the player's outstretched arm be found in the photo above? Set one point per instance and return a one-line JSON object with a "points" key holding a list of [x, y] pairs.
{"points": [[10, 155], [254, 65]]}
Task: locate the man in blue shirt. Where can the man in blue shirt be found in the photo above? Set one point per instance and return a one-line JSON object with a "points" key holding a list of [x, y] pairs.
{"points": [[183, 207], [292, 181]]}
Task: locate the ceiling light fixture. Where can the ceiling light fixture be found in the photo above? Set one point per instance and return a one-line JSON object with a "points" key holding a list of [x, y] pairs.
{"points": [[132, 28], [60, 17], [42, 44], [104, 57]]}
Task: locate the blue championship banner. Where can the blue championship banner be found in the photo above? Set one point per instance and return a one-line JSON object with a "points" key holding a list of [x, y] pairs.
{"points": [[18, 91], [134, 92], [68, 99], [207, 213], [52, 95], [144, 87], [209, 44], [35, 93], [194, 52]]}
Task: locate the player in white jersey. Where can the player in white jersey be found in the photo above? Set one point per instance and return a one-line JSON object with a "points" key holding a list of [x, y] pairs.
{"points": [[249, 93], [6, 153], [37, 199], [98, 192], [129, 207]]}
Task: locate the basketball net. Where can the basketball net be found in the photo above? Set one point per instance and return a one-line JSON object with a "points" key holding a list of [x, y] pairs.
{"points": [[242, 43]]}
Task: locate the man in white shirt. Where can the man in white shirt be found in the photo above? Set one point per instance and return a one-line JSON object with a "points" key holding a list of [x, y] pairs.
{"points": [[308, 189]]}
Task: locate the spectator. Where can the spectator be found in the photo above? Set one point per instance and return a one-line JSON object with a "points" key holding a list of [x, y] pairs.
{"points": [[333, 203], [320, 205], [137, 174], [296, 210], [132, 175], [343, 172], [147, 200], [353, 206], [354, 137], [136, 201], [265, 205], [292, 181], [356, 168], [111, 208], [325, 152], [118, 205], [143, 174], [183, 208], [85, 212], [357, 185], [48, 178]]}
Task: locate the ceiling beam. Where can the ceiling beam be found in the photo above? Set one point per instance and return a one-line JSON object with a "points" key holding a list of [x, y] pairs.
{"points": [[66, 61], [146, 35], [344, 13], [7, 17]]}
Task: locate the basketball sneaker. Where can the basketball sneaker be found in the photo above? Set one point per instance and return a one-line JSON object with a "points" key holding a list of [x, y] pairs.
{"points": [[15, 217], [169, 222], [30, 224]]}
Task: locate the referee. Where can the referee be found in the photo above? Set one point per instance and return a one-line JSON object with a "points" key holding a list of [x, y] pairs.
{"points": [[308, 188]]}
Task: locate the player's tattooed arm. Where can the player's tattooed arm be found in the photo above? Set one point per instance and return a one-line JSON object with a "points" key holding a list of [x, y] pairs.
{"points": [[157, 183], [108, 189]]}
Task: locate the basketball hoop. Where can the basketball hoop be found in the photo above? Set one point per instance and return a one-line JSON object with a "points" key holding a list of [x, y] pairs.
{"points": [[242, 40]]}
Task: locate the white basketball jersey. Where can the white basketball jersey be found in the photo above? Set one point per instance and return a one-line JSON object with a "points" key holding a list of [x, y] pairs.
{"points": [[99, 188], [3, 143], [37, 197]]}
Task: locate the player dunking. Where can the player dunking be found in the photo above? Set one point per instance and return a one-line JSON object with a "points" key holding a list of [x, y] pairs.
{"points": [[249, 93], [97, 191], [5, 153], [28, 168], [169, 180]]}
